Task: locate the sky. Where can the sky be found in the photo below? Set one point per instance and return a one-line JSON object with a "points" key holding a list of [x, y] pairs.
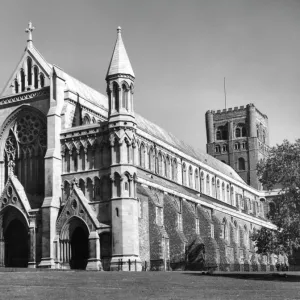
{"points": [[180, 52]]}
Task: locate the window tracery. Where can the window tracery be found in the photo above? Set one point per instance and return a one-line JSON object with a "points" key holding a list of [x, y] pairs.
{"points": [[26, 146]]}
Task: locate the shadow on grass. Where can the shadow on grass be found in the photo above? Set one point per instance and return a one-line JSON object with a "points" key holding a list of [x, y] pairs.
{"points": [[284, 277]]}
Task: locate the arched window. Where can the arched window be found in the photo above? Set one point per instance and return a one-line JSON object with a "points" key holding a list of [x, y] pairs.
{"points": [[223, 192], [16, 86], [232, 196], [224, 233], [213, 190], [196, 180], [202, 182], [151, 159], [174, 170], [217, 149], [222, 133], [159, 170], [86, 120], [218, 189], [168, 167], [124, 96], [142, 156], [237, 233], [36, 77], [224, 148], [228, 194], [42, 80], [190, 177], [237, 146], [183, 174], [116, 96], [165, 166], [240, 130], [22, 73], [29, 70], [94, 120], [207, 185], [241, 164], [264, 136]]}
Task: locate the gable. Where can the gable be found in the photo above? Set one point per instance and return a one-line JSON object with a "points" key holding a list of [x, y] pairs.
{"points": [[32, 72], [78, 206], [14, 195]]}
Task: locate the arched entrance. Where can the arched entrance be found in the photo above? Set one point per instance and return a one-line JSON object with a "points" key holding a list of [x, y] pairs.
{"points": [[16, 245], [79, 249]]}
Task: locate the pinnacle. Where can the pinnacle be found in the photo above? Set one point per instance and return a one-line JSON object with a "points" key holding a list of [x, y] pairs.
{"points": [[119, 63]]}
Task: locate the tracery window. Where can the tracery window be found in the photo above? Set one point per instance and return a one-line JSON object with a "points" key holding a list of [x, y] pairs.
{"points": [[26, 146]]}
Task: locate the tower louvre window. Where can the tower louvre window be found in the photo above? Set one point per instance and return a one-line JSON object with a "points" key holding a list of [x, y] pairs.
{"points": [[240, 131], [241, 163]]}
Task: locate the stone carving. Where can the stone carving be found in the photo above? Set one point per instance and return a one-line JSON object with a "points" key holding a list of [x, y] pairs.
{"points": [[27, 96]]}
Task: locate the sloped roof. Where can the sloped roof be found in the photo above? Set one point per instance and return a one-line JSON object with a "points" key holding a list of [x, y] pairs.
{"points": [[119, 63], [170, 139], [85, 91]]}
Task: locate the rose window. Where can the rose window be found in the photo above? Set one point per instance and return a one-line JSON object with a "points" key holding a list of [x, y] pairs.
{"points": [[28, 128]]}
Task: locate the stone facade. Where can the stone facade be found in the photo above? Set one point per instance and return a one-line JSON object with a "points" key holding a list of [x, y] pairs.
{"points": [[239, 137], [86, 183]]}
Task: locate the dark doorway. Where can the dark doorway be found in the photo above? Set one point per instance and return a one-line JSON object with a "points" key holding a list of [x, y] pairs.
{"points": [[80, 249], [16, 245]]}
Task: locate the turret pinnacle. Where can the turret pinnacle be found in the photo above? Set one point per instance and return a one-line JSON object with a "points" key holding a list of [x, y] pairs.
{"points": [[119, 63]]}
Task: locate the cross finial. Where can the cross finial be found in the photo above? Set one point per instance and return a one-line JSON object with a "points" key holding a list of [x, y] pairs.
{"points": [[29, 31]]}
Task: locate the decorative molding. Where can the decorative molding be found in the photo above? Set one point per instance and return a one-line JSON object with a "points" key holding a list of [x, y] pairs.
{"points": [[25, 96]]}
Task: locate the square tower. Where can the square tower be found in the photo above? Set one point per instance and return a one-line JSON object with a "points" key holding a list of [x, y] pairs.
{"points": [[239, 137]]}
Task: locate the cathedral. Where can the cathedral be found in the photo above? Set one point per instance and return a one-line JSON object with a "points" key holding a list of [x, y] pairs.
{"points": [[88, 183]]}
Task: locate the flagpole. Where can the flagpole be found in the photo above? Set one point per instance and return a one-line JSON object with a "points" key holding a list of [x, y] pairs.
{"points": [[225, 93]]}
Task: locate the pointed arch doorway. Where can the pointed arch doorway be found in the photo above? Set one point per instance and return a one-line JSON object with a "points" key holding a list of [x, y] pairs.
{"points": [[79, 249], [74, 244], [16, 245]]}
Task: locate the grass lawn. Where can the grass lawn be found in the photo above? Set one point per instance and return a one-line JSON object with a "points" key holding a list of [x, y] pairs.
{"points": [[146, 285]]}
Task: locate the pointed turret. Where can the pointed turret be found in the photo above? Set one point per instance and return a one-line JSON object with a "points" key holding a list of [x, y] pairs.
{"points": [[120, 84], [122, 137], [119, 63]]}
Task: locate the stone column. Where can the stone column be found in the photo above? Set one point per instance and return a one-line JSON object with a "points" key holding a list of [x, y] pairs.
{"points": [[2, 176], [32, 248], [94, 262], [51, 203], [2, 253]]}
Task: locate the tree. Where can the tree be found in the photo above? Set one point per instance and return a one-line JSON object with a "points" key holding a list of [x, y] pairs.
{"points": [[281, 170]]}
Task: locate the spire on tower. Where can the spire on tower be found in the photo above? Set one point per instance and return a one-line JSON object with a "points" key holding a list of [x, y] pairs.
{"points": [[29, 31], [119, 63]]}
